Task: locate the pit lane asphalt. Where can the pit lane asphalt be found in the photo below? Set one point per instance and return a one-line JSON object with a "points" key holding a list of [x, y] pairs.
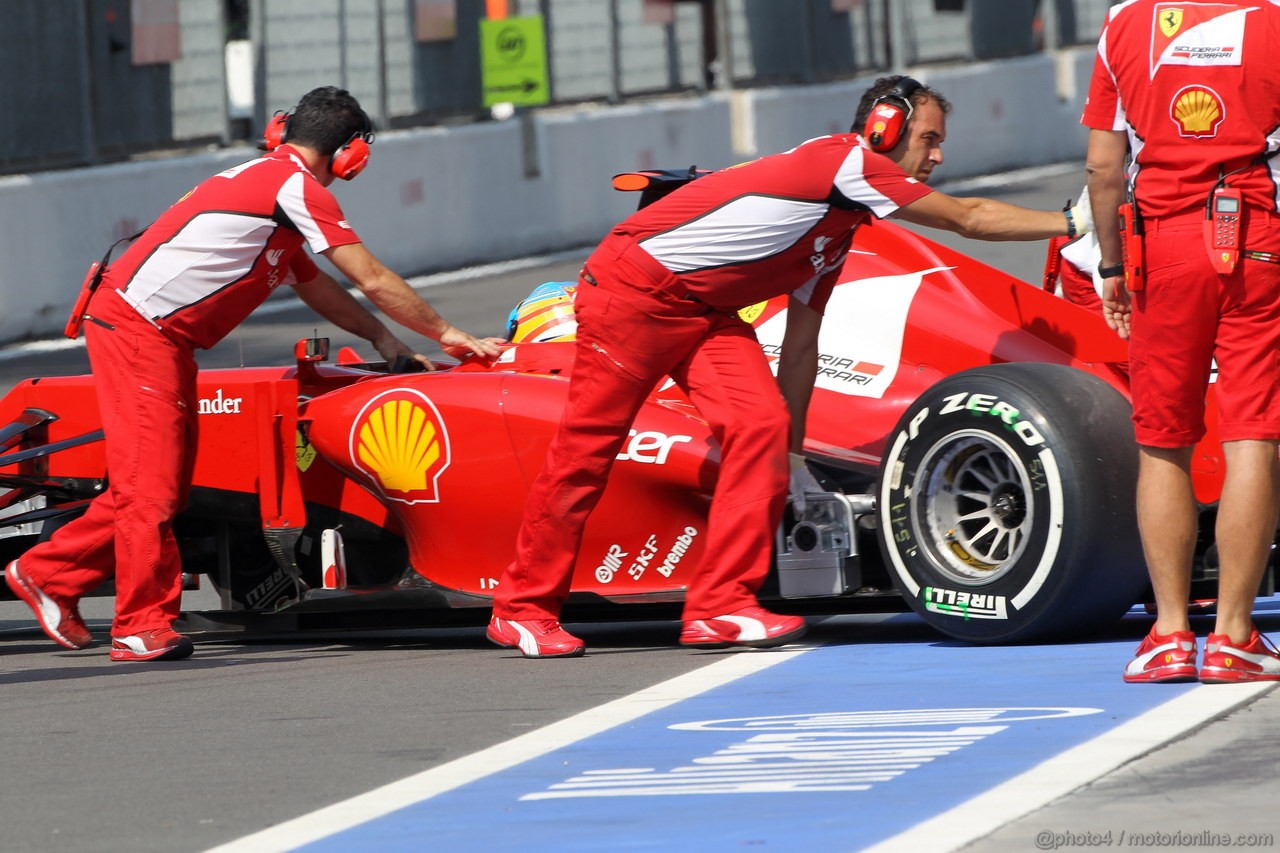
{"points": [[183, 756]]}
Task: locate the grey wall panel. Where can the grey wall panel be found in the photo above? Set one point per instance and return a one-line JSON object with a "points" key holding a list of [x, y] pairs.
{"points": [[358, 50], [42, 77], [301, 49], [690, 50], [198, 97], [928, 35], [397, 16], [446, 74], [1090, 15], [303, 44], [834, 39], [132, 105], [795, 40], [643, 62], [581, 36]]}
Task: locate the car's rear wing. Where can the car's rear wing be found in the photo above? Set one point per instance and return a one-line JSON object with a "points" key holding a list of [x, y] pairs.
{"points": [[653, 184]]}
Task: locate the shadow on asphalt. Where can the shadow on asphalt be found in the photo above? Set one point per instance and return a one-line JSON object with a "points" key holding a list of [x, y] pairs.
{"points": [[602, 638], [98, 665]]}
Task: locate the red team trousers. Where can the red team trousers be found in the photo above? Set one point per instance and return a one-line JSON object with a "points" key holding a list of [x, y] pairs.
{"points": [[146, 393], [635, 326], [1189, 316]]}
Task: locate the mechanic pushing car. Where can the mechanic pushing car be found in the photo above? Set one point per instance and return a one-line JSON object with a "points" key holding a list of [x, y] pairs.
{"points": [[1192, 91], [186, 282], [660, 297]]}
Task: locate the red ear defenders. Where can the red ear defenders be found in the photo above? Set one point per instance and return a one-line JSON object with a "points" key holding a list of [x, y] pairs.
{"points": [[347, 162], [350, 160], [276, 130], [889, 116]]}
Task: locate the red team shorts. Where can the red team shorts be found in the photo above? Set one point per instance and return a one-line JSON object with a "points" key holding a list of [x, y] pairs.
{"points": [[1187, 317]]}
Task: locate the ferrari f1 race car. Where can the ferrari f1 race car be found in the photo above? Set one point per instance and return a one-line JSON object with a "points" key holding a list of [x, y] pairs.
{"points": [[971, 432]]}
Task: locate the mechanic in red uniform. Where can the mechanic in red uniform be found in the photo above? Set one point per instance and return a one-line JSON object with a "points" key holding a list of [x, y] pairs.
{"points": [[191, 277], [1192, 92], [660, 297]]}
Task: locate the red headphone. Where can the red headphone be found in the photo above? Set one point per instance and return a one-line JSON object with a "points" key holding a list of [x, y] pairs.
{"points": [[889, 115], [345, 163]]}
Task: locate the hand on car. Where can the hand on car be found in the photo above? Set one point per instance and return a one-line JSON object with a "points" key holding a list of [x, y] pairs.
{"points": [[458, 344], [393, 349]]}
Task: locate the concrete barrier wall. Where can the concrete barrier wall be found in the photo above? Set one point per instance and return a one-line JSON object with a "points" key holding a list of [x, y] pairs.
{"points": [[1005, 115], [441, 198], [436, 198]]}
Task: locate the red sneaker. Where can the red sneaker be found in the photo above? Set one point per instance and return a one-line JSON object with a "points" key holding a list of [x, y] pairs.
{"points": [[750, 626], [535, 638], [59, 619], [1167, 659], [1228, 663], [160, 644]]}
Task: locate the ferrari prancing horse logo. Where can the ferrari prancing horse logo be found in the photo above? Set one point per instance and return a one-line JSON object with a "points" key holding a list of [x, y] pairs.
{"points": [[1170, 21], [751, 312], [304, 453]]}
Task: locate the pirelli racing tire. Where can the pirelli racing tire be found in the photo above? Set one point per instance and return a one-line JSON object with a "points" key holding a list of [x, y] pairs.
{"points": [[1006, 505]]}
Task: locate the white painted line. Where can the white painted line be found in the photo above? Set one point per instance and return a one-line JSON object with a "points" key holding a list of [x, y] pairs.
{"points": [[440, 279], [1073, 769], [422, 786], [38, 347], [963, 186]]}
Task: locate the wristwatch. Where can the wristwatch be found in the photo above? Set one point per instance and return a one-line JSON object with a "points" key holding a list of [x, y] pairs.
{"points": [[1111, 271]]}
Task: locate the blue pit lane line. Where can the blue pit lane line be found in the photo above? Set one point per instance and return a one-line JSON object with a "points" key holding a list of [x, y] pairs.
{"points": [[840, 747]]}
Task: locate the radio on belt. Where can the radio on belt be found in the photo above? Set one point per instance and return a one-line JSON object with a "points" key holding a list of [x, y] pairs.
{"points": [[91, 281], [1131, 247], [1222, 229]]}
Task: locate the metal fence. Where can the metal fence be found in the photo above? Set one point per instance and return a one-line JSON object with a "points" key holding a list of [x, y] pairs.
{"points": [[106, 79]]}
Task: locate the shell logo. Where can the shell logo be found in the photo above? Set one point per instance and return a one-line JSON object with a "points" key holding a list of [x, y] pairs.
{"points": [[1197, 110], [400, 441]]}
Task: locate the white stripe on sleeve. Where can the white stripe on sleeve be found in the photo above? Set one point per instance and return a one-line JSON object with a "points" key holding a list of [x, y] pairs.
{"points": [[294, 204], [853, 185]]}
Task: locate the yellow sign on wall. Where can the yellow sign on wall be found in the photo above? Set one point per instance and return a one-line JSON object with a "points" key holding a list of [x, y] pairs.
{"points": [[513, 61]]}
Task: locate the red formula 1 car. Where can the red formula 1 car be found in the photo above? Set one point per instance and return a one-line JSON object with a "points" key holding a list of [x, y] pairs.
{"points": [[972, 431]]}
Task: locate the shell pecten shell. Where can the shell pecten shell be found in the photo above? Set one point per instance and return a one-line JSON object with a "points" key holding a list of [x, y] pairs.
{"points": [[1197, 111], [400, 444]]}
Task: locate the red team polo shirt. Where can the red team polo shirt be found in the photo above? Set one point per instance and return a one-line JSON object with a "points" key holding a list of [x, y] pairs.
{"points": [[1171, 73], [220, 250], [780, 224]]}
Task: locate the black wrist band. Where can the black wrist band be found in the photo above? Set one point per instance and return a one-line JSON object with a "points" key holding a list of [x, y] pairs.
{"points": [[1071, 222], [1111, 271]]}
